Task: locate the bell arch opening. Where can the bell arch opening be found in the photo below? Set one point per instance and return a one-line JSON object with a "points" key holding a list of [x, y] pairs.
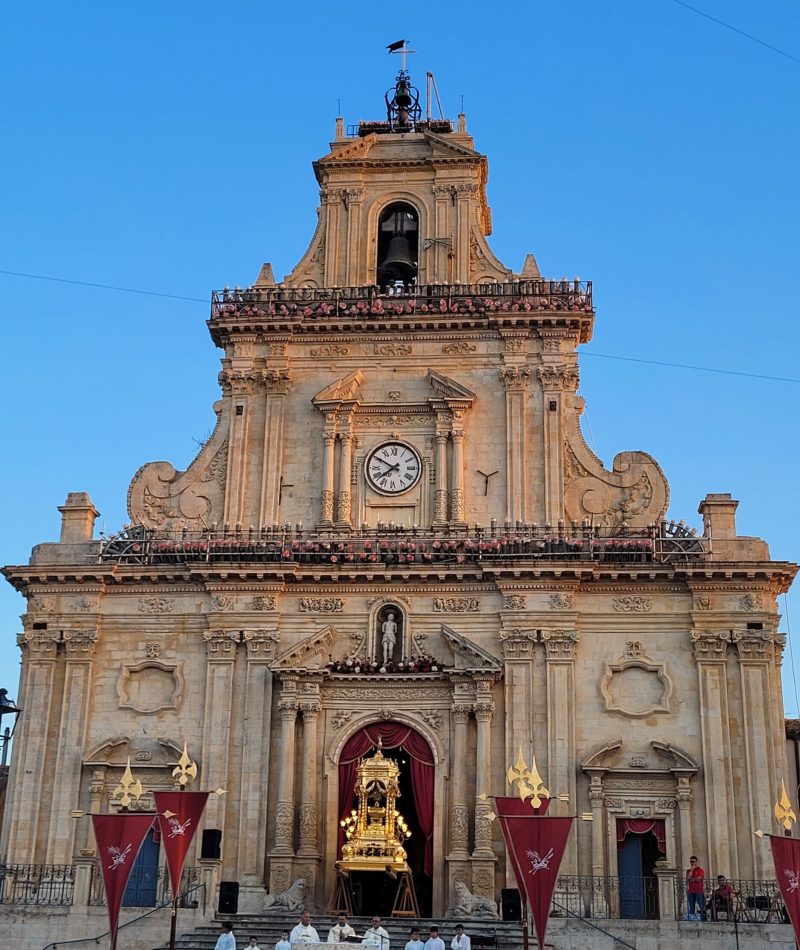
{"points": [[398, 247], [374, 892]]}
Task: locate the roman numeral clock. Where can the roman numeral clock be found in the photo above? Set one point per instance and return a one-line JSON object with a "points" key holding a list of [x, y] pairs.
{"points": [[392, 468]]}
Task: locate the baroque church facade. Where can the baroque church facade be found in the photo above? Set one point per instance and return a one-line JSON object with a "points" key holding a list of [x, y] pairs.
{"points": [[396, 531]]}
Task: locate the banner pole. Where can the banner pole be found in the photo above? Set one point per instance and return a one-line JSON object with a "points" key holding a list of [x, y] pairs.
{"points": [[524, 927], [173, 922]]}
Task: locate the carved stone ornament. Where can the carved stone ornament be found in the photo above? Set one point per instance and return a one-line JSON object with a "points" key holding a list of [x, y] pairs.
{"points": [[433, 718], [754, 645], [223, 602], [560, 601], [393, 349], [260, 644], [80, 644], [341, 718], [702, 602], [710, 645], [636, 687], [517, 644], [456, 604], [330, 350], [634, 493], [221, 644], [40, 644], [467, 655], [751, 602], [308, 653], [150, 687], [321, 605], [156, 605], [152, 650], [632, 604], [560, 644], [263, 602], [514, 602]]}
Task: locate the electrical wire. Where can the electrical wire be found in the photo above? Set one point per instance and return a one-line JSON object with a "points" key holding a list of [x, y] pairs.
{"points": [[728, 26], [605, 356]]}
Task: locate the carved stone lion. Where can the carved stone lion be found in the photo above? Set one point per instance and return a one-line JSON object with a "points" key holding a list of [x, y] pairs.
{"points": [[472, 905], [291, 899]]}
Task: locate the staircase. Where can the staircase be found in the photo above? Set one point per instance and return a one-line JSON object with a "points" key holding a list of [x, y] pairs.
{"points": [[267, 929]]}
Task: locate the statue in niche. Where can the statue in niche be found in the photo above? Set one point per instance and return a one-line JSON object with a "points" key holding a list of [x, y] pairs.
{"points": [[389, 633]]}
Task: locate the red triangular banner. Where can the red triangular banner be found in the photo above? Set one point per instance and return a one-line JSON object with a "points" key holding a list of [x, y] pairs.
{"points": [[119, 838], [535, 845], [786, 857], [179, 815]]}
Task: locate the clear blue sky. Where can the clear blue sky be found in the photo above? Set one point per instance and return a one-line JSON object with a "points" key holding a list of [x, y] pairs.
{"points": [[168, 147]]}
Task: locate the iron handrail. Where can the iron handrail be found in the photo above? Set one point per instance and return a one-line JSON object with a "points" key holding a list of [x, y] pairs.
{"points": [[133, 920]]}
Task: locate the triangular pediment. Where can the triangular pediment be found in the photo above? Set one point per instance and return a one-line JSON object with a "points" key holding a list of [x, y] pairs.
{"points": [[343, 390], [442, 145], [447, 388], [352, 151], [308, 654], [468, 656]]}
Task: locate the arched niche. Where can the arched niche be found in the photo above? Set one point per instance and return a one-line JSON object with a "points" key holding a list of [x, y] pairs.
{"points": [[379, 615], [398, 230]]}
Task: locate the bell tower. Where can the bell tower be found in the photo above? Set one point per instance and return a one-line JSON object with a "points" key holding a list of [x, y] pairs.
{"points": [[402, 203]]}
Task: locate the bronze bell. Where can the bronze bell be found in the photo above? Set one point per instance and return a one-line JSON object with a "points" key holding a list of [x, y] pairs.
{"points": [[398, 263]]}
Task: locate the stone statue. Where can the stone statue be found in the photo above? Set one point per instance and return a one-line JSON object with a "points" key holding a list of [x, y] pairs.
{"points": [[468, 904], [291, 899], [388, 637]]}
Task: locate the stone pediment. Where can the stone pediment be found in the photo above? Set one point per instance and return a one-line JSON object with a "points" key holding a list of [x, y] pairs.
{"points": [[343, 390], [310, 653], [468, 656], [353, 151], [144, 753], [614, 757], [442, 146], [448, 389]]}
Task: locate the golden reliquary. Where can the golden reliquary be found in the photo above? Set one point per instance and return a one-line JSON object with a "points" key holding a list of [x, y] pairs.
{"points": [[375, 831]]}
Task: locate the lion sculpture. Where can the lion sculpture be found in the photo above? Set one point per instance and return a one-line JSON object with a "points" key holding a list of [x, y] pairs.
{"points": [[472, 905], [292, 899]]}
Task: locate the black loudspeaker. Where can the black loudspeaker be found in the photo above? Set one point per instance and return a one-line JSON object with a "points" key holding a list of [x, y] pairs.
{"points": [[228, 897], [212, 840], [510, 904]]}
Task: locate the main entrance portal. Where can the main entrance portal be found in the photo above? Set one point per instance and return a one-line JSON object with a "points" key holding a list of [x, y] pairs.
{"points": [[374, 892]]}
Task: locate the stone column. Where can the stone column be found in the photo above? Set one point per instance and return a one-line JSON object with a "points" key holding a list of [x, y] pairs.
{"points": [[220, 654], [560, 648], [33, 758], [483, 857], [282, 855], [70, 742], [440, 491], [555, 379], [237, 386], [684, 799], [755, 653], [309, 854], [515, 380], [276, 382], [255, 767], [666, 876], [357, 267], [459, 809], [457, 500], [344, 497], [326, 518], [710, 652], [97, 794], [598, 823]]}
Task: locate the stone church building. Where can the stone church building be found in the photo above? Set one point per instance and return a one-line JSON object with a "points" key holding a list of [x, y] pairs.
{"points": [[396, 531]]}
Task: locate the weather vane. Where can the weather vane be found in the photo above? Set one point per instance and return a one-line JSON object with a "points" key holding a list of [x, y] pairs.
{"points": [[400, 47]]}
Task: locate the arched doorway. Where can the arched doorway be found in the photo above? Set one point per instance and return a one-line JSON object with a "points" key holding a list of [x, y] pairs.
{"points": [[411, 750], [640, 843]]}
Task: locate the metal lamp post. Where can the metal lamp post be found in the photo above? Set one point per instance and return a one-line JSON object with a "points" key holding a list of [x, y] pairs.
{"points": [[7, 708]]}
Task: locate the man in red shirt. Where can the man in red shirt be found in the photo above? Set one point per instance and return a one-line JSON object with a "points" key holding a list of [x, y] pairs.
{"points": [[695, 889]]}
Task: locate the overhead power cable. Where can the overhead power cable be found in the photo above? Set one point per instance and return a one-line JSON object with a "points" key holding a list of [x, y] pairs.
{"points": [[735, 29], [605, 356]]}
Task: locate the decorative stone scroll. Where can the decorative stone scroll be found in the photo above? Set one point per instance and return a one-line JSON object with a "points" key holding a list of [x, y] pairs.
{"points": [[456, 604]]}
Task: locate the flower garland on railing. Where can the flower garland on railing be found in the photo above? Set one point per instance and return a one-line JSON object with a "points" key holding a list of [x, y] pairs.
{"points": [[369, 666], [377, 308]]}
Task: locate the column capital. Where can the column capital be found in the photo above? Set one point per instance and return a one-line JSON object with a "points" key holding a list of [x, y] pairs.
{"points": [[80, 644], [288, 710], [557, 376], [560, 644], [460, 713], [38, 644], [276, 381], [260, 644], [754, 645], [515, 378], [710, 644], [221, 644], [484, 712]]}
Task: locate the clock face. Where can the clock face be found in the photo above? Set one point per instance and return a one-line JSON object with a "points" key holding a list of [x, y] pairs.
{"points": [[392, 468]]}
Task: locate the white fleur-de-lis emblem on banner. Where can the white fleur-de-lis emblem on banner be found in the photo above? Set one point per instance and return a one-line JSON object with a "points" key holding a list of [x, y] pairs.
{"points": [[793, 878], [539, 863], [118, 856], [176, 828]]}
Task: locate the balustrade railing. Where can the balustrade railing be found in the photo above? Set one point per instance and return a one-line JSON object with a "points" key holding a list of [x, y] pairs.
{"points": [[634, 898], [750, 901], [428, 300], [147, 887], [43, 884], [398, 546]]}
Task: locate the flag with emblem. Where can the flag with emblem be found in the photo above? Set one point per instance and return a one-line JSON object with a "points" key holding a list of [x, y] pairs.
{"points": [[119, 838], [535, 845], [179, 814], [786, 857]]}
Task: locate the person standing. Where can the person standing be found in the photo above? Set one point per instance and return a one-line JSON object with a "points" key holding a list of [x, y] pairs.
{"points": [[415, 943], [460, 941], [283, 943], [226, 940], [695, 890], [434, 942], [376, 935], [340, 930], [304, 932], [253, 945]]}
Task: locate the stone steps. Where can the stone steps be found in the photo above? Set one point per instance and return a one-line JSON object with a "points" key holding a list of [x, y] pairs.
{"points": [[267, 928]]}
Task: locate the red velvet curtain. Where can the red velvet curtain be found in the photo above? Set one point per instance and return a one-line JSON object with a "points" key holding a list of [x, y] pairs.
{"points": [[392, 735], [640, 826]]}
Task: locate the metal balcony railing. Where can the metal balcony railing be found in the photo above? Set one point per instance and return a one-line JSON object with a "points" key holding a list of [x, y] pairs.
{"points": [[399, 546], [747, 901], [40, 884], [147, 887], [437, 301]]}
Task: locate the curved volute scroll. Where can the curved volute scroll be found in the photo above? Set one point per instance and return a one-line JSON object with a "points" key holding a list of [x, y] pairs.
{"points": [[634, 494], [162, 498]]}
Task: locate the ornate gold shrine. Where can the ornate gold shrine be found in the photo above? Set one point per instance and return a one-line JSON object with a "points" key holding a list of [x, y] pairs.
{"points": [[375, 831]]}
